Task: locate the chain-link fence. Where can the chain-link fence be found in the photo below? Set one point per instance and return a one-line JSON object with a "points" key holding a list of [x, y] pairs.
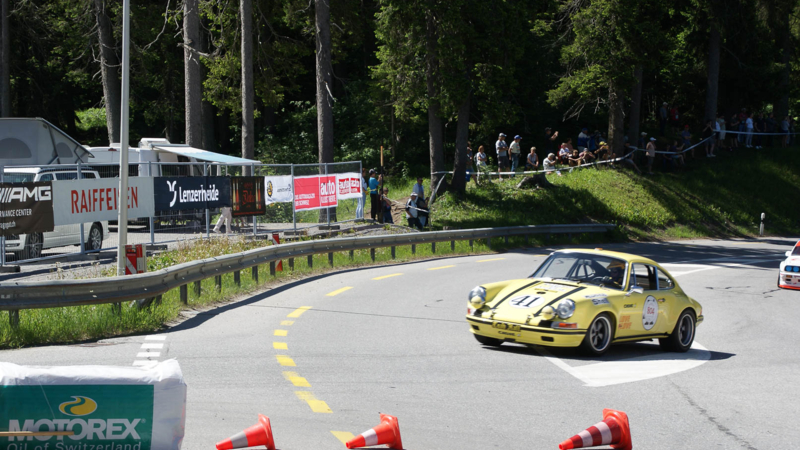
{"points": [[168, 226]]}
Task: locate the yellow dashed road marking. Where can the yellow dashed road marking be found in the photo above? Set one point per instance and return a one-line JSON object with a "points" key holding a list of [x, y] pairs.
{"points": [[280, 346], [298, 312], [339, 291], [386, 276], [287, 323], [284, 360], [540, 255], [318, 406], [443, 267], [296, 379], [343, 436], [493, 259], [281, 332]]}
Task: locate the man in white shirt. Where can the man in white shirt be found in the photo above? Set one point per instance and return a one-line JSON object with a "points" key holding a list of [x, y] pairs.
{"points": [[749, 126], [412, 212], [419, 189], [502, 154], [515, 152]]}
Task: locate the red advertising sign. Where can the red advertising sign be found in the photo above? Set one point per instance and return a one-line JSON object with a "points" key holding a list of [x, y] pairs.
{"points": [[349, 185], [315, 192]]}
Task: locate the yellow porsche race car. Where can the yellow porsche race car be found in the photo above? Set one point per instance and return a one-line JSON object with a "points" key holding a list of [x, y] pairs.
{"points": [[586, 298]]}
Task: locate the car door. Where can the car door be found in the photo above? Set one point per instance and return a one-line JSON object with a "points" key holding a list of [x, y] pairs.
{"points": [[638, 313], [667, 302], [69, 234], [53, 238]]}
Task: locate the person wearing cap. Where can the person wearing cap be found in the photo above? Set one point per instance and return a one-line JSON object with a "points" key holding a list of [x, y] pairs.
{"points": [[412, 212], [549, 140], [663, 116], [515, 151], [583, 139], [502, 154], [651, 155], [374, 196]]}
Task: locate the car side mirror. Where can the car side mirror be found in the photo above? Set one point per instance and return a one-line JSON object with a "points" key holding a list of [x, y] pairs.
{"points": [[635, 290], [788, 253]]}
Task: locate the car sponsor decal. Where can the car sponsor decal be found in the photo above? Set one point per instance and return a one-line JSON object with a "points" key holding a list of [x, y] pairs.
{"points": [[554, 287], [624, 322], [649, 313], [525, 301], [600, 301], [629, 305]]}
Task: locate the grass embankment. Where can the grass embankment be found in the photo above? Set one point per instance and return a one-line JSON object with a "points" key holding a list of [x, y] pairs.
{"points": [[87, 323], [724, 196]]}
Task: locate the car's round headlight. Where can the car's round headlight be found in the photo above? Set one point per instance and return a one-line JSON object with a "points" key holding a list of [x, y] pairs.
{"points": [[565, 309], [477, 297]]}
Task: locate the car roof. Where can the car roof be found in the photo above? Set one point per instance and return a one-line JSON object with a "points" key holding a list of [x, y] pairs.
{"points": [[599, 251]]}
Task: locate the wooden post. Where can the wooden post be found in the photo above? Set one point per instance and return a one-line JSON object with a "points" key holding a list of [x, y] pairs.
{"points": [[310, 261], [218, 282], [433, 247], [158, 300], [13, 318], [254, 273], [393, 252], [452, 246], [197, 287], [352, 256], [470, 245], [330, 259], [237, 278], [489, 243], [372, 254], [506, 239], [272, 268], [413, 249], [291, 264], [185, 294]]}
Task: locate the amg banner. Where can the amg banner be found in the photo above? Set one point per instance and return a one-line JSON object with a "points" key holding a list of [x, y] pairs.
{"points": [[26, 208], [177, 193], [247, 196]]}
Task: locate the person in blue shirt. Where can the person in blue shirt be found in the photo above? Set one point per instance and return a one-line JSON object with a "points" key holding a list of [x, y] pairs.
{"points": [[374, 196], [583, 139]]}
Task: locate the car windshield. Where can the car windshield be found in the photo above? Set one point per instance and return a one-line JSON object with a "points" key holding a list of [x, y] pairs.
{"points": [[796, 249], [17, 177], [584, 268]]}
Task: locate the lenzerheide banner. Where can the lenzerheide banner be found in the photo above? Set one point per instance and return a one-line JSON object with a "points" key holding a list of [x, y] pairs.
{"points": [[180, 193], [94, 200], [278, 189], [26, 208], [315, 192], [247, 196]]}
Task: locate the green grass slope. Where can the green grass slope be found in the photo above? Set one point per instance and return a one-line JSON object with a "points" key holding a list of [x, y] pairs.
{"points": [[723, 196]]}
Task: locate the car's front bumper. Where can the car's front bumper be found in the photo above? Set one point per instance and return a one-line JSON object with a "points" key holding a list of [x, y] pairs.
{"points": [[525, 334], [789, 280]]}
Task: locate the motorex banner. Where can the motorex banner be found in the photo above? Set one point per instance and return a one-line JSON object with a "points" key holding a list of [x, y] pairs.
{"points": [[104, 407], [179, 193]]}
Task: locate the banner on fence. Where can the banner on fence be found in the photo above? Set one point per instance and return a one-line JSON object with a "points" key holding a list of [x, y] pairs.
{"points": [[278, 189], [178, 193], [93, 200], [315, 192], [26, 208], [247, 196], [348, 185]]}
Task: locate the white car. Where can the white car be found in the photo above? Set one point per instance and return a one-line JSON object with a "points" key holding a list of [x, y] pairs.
{"points": [[790, 269], [29, 246]]}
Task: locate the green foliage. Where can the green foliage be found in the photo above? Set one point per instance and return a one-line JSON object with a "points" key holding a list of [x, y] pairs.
{"points": [[91, 118]]}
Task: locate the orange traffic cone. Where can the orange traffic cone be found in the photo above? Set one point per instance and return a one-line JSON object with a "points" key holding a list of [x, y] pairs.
{"points": [[276, 239], [258, 434], [388, 432], [614, 430]]}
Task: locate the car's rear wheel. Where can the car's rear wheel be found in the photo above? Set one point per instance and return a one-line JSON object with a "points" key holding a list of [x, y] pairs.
{"points": [[95, 239], [598, 336], [488, 341], [33, 246], [682, 337]]}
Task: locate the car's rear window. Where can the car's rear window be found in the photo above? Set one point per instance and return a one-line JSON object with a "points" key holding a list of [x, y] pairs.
{"points": [[17, 177]]}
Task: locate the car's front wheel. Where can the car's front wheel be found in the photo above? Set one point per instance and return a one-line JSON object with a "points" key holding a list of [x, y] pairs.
{"points": [[488, 341], [95, 239], [598, 336], [682, 337], [33, 246]]}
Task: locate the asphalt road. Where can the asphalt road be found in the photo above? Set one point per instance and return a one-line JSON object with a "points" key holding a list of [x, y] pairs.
{"points": [[393, 339]]}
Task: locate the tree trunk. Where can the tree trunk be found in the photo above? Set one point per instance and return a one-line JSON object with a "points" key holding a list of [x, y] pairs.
{"points": [[207, 112], [435, 132], [459, 183], [782, 105], [712, 89], [193, 83], [636, 106], [112, 86], [324, 85], [5, 62], [615, 118], [248, 92]]}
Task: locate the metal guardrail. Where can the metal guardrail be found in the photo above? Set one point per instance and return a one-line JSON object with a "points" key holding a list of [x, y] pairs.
{"points": [[16, 295]]}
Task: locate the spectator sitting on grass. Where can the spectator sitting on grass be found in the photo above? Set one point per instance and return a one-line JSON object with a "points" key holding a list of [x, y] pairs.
{"points": [[549, 163], [627, 157], [587, 156], [563, 154], [677, 153], [533, 160], [603, 152], [575, 159]]}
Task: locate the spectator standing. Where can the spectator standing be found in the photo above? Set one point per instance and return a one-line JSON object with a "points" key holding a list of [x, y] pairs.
{"points": [[374, 196], [225, 218], [412, 213], [770, 127], [721, 126], [785, 131], [686, 138], [532, 160], [583, 140], [651, 155], [663, 116], [760, 127], [502, 154], [749, 125], [386, 206], [480, 162], [362, 201], [742, 124], [734, 126], [419, 189], [674, 119], [717, 129], [515, 152], [708, 137], [550, 140]]}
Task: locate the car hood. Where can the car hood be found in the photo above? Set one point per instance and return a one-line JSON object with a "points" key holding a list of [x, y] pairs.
{"points": [[521, 299], [793, 260]]}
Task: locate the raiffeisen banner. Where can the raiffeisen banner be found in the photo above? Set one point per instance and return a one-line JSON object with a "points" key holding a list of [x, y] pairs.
{"points": [[103, 407], [94, 200], [179, 193]]}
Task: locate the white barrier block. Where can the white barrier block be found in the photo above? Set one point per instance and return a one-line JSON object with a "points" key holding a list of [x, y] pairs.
{"points": [[120, 408]]}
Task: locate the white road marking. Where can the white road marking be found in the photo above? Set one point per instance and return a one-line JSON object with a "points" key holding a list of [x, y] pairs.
{"points": [[144, 363], [148, 355], [155, 337], [147, 346], [703, 267], [633, 369]]}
